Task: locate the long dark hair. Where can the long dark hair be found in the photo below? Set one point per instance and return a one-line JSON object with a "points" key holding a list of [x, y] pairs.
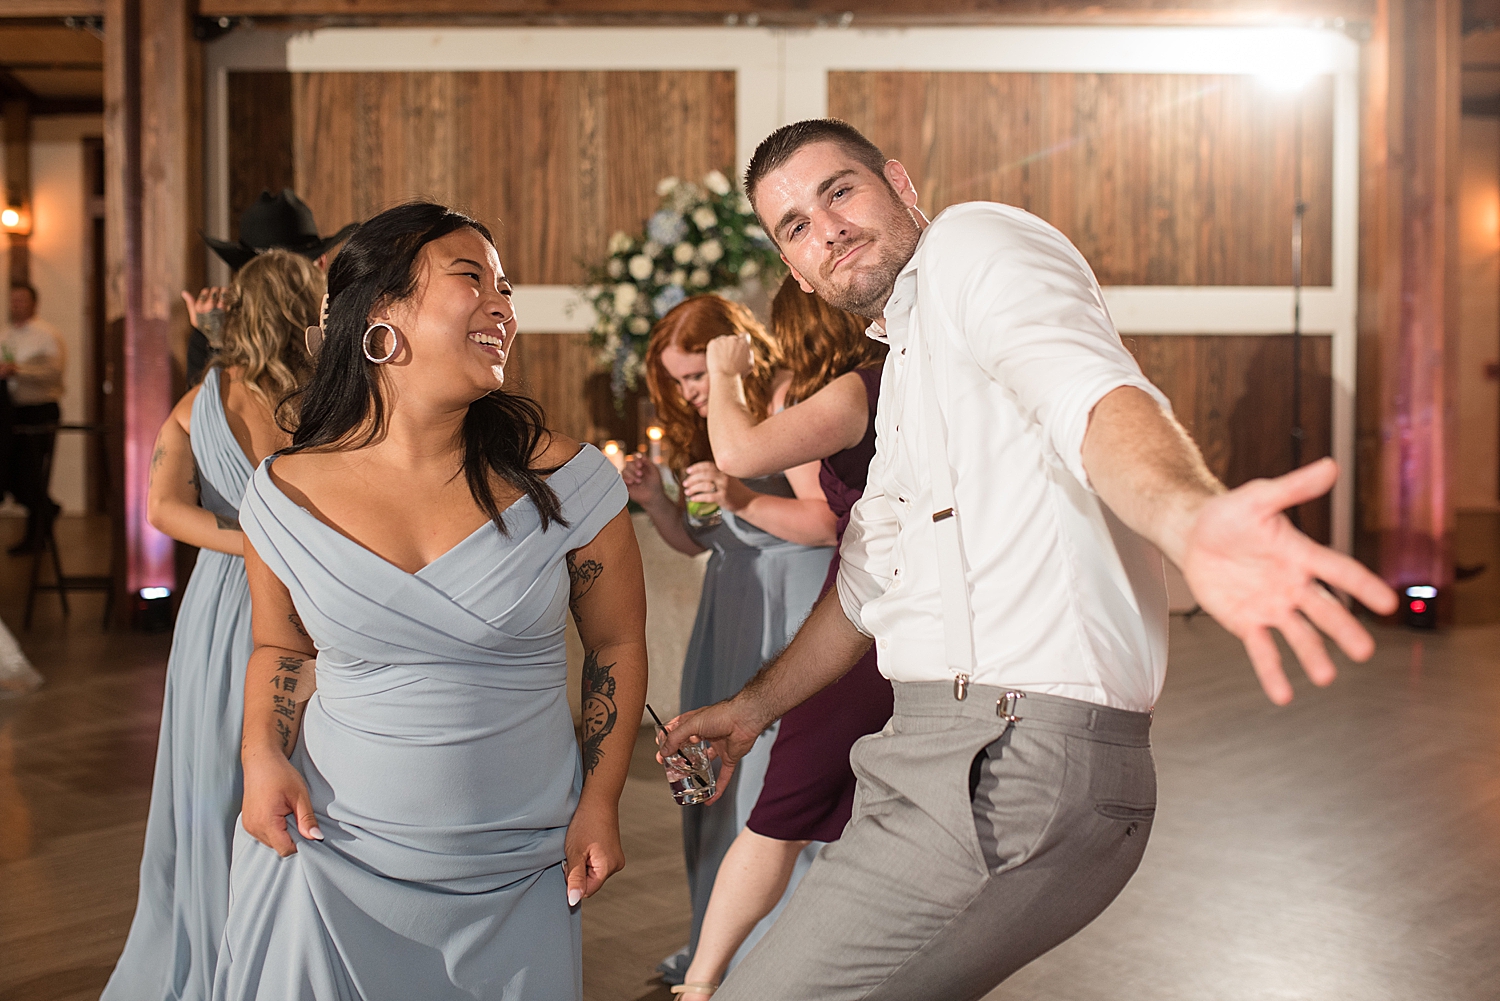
{"points": [[378, 265]]}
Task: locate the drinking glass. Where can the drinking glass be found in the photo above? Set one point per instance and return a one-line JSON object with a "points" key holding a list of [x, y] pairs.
{"points": [[689, 774], [703, 514]]}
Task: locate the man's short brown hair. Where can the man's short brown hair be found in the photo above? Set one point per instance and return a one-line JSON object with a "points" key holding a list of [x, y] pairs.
{"points": [[779, 147]]}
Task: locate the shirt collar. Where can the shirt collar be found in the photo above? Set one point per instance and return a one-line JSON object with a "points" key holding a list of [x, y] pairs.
{"points": [[898, 307]]}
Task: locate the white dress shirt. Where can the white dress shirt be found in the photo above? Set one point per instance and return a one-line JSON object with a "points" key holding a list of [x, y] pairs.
{"points": [[1066, 600], [40, 355]]}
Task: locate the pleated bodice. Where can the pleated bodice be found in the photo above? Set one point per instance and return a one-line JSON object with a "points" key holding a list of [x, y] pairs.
{"points": [[439, 743]]}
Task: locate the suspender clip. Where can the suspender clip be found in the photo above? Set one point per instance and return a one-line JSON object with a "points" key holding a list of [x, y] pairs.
{"points": [[960, 686]]}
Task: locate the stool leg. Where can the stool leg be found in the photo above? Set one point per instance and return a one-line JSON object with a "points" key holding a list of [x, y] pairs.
{"points": [[36, 575], [57, 571]]}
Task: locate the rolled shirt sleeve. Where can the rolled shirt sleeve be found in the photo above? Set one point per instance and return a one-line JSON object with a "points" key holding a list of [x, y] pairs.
{"points": [[865, 554], [1032, 315]]}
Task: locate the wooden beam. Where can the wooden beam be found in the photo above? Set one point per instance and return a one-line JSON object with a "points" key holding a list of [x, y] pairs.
{"points": [[52, 8], [18, 181], [1408, 308], [153, 114], [803, 11]]}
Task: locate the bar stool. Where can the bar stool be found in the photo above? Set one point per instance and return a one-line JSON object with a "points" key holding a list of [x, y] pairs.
{"points": [[62, 583]]}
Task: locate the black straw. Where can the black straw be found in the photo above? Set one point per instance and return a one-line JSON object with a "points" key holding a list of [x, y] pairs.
{"points": [[655, 717]]}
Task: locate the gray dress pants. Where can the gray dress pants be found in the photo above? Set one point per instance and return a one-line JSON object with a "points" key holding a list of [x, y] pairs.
{"points": [[977, 844]]}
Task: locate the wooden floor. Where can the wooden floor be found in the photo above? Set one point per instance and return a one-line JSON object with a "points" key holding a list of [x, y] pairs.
{"points": [[1346, 847]]}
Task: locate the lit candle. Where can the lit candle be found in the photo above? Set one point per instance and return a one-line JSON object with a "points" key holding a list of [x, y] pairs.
{"points": [[653, 436], [615, 454]]}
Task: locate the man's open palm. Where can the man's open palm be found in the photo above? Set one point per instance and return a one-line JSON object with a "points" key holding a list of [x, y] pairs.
{"points": [[1253, 572]]}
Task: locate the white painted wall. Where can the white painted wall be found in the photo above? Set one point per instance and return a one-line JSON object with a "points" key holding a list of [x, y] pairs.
{"points": [[1477, 469], [59, 272]]}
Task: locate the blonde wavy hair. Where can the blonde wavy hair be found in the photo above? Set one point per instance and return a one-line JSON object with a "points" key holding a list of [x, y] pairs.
{"points": [[690, 325], [273, 300]]}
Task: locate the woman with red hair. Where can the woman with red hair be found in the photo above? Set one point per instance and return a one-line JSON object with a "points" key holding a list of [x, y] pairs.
{"points": [[768, 539]]}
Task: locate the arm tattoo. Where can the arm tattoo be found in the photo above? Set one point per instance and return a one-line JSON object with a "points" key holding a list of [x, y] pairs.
{"points": [[229, 525], [581, 578], [599, 712], [296, 621], [159, 454], [284, 701], [196, 483]]}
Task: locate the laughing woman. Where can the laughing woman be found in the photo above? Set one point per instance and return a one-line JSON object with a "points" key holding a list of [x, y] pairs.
{"points": [[422, 825]]}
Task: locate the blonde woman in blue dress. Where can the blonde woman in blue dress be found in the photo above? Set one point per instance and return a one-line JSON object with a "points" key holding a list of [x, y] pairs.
{"points": [[423, 826], [204, 457]]}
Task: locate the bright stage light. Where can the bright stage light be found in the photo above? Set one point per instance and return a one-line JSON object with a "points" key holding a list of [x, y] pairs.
{"points": [[155, 593], [10, 217]]}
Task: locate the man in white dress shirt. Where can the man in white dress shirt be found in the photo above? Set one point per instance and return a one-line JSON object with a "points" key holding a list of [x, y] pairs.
{"points": [[32, 358], [1006, 561]]}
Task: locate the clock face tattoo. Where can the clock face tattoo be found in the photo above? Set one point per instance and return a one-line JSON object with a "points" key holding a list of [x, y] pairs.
{"points": [[599, 712]]}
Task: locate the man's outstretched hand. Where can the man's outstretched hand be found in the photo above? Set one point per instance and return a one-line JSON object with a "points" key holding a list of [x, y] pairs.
{"points": [[1253, 571]]}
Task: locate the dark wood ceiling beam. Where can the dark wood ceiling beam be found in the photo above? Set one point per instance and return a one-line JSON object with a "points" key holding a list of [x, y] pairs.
{"points": [[51, 9], [54, 66], [796, 11]]}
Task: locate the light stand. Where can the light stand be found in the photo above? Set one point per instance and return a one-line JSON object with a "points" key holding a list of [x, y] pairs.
{"points": [[1299, 209]]}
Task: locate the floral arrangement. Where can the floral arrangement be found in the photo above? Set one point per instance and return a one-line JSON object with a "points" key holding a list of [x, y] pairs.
{"points": [[703, 238]]}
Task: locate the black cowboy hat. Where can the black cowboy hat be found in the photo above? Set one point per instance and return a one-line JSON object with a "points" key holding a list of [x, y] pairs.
{"points": [[282, 220]]}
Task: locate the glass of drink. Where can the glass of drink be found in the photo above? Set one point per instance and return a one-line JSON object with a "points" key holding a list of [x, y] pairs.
{"points": [[703, 514], [690, 775]]}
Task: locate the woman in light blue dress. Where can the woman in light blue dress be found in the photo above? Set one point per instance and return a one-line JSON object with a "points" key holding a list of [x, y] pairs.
{"points": [[418, 820], [203, 460], [769, 541]]}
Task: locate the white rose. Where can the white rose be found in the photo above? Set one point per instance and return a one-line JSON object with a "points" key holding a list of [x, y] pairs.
{"points": [[755, 232], [651, 248], [749, 269], [716, 182], [639, 325], [683, 252], [704, 218], [620, 242], [712, 251], [640, 267], [744, 205], [699, 277], [616, 268], [666, 186], [625, 296], [678, 277]]}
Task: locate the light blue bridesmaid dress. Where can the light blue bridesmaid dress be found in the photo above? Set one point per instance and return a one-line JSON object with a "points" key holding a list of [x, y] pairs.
{"points": [[440, 755], [757, 590], [195, 794]]}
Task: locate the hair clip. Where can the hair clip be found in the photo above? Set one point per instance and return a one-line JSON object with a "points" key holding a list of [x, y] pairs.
{"points": [[314, 338]]}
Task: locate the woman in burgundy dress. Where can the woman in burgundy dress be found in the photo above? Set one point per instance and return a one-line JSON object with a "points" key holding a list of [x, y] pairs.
{"points": [[809, 786]]}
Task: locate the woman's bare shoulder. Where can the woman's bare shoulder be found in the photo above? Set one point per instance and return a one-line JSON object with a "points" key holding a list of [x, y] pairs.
{"points": [[555, 450], [182, 413]]}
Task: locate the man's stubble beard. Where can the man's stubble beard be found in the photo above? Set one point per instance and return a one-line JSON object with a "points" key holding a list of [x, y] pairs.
{"points": [[868, 297]]}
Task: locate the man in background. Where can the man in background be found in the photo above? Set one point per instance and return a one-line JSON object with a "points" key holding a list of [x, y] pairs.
{"points": [[32, 358]]}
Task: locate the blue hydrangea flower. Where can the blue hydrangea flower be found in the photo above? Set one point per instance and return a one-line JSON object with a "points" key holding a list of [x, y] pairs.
{"points": [[666, 228], [667, 298]]}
